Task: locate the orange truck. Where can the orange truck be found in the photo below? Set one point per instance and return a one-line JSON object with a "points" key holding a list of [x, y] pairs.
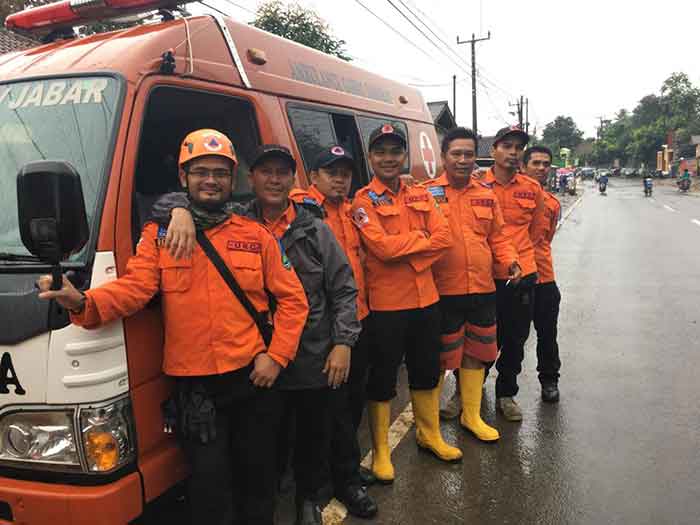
{"points": [[81, 429]]}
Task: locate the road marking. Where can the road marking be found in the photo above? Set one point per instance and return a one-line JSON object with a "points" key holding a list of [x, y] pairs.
{"points": [[668, 207], [696, 221]]}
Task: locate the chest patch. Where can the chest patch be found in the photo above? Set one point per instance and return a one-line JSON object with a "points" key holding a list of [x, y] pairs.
{"points": [[528, 195], [244, 246], [160, 237], [380, 200], [438, 193], [488, 203]]}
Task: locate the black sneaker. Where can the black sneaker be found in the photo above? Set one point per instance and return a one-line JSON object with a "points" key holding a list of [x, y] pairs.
{"points": [[309, 513], [550, 393], [358, 502], [367, 477]]}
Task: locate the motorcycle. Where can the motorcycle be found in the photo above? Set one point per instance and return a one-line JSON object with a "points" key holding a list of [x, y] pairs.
{"points": [[648, 186], [571, 185], [602, 186], [684, 185]]}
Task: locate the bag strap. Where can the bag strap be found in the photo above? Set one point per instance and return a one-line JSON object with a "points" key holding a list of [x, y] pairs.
{"points": [[226, 274]]}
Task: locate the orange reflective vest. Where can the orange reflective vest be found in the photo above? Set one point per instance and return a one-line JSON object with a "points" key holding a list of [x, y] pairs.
{"points": [[207, 331], [338, 217], [522, 202], [543, 249], [476, 222], [403, 233]]}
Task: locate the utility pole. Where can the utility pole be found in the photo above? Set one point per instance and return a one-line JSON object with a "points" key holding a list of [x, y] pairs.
{"points": [[454, 97], [518, 110], [473, 42], [527, 116]]}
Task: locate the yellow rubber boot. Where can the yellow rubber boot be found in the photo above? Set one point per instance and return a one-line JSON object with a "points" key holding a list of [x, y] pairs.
{"points": [[378, 413], [426, 411], [470, 385]]}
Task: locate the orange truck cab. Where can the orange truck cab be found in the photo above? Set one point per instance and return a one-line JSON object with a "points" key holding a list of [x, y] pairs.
{"points": [[81, 430]]}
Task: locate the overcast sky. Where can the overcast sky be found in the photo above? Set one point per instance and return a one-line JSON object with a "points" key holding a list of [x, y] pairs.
{"points": [[580, 58]]}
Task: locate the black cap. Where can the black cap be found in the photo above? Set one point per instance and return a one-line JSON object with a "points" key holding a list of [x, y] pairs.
{"points": [[330, 155], [387, 130], [511, 130], [267, 151]]}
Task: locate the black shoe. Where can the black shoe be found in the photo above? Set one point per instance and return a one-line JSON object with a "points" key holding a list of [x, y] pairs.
{"points": [[550, 393], [358, 502], [309, 513], [367, 477]]}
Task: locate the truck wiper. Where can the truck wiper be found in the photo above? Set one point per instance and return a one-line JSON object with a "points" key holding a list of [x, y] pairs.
{"points": [[16, 257]]}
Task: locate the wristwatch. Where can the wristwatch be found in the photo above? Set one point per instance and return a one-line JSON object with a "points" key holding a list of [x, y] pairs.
{"points": [[81, 307]]}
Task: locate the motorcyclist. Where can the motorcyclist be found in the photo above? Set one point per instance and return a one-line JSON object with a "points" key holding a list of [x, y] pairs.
{"points": [[603, 182]]}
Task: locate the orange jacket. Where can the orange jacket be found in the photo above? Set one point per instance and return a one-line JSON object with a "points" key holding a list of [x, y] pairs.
{"points": [[476, 222], [522, 202], [338, 217], [404, 233], [543, 249], [207, 331]]}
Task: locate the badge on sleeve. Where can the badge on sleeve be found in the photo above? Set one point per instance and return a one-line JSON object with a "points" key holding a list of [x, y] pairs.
{"points": [[160, 238], [360, 218]]}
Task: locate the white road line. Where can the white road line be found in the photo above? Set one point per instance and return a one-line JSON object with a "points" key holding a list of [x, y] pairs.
{"points": [[696, 221], [668, 207]]}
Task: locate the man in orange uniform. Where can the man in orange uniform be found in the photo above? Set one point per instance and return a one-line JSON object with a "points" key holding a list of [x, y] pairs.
{"points": [[404, 233], [230, 414], [522, 202], [331, 177], [536, 162], [464, 275]]}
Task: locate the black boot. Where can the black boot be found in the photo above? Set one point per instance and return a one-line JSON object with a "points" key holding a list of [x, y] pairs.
{"points": [[357, 501], [550, 392], [308, 513]]}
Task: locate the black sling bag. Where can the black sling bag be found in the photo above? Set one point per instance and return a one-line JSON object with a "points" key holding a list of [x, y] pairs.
{"points": [[260, 318]]}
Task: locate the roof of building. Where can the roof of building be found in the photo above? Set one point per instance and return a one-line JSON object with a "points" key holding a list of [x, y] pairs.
{"points": [[485, 144], [441, 113], [13, 42]]}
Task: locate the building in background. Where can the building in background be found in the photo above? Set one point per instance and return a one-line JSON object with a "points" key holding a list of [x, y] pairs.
{"points": [[13, 42]]}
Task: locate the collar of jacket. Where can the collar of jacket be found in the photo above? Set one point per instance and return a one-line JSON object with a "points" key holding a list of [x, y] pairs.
{"points": [[302, 223]]}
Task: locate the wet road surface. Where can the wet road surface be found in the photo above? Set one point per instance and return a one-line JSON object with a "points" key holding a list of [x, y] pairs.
{"points": [[623, 445]]}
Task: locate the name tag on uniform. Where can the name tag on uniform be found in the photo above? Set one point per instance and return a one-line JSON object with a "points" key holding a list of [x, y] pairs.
{"points": [[529, 195], [488, 203], [244, 246], [416, 198]]}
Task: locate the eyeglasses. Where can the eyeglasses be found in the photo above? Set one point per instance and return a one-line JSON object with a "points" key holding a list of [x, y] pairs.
{"points": [[204, 173]]}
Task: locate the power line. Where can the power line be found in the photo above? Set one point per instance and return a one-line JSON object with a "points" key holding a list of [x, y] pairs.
{"points": [[240, 7], [393, 29], [426, 36], [213, 8]]}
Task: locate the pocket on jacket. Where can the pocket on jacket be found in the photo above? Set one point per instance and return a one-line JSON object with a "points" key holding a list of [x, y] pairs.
{"points": [[175, 275], [247, 269], [390, 219], [484, 218]]}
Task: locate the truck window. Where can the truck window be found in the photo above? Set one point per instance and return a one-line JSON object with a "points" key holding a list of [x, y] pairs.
{"points": [[369, 124], [315, 129], [170, 115], [71, 119]]}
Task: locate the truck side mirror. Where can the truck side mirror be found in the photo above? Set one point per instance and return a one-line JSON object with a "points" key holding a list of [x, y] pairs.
{"points": [[52, 219]]}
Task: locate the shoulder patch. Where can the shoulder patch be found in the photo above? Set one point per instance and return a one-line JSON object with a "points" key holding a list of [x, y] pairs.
{"points": [[360, 218], [160, 236], [380, 200]]}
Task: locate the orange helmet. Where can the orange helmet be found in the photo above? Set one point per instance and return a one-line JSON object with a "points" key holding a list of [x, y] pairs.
{"points": [[206, 142]]}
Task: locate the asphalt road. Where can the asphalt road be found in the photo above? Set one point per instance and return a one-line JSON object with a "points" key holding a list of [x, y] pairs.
{"points": [[623, 445]]}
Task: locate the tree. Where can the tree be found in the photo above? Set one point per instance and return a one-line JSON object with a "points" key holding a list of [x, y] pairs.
{"points": [[299, 24], [562, 132]]}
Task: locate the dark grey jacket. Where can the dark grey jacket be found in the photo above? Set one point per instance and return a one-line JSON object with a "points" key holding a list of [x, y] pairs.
{"points": [[328, 281]]}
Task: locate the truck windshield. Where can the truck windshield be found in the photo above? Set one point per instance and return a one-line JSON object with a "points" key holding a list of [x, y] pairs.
{"points": [[69, 119]]}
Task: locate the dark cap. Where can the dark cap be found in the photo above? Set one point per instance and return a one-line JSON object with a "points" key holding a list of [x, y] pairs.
{"points": [[330, 155], [511, 130], [387, 130], [267, 151]]}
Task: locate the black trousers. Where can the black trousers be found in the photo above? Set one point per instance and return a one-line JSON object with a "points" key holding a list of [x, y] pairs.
{"points": [[305, 435], [514, 307], [233, 476], [347, 406], [546, 315], [414, 334]]}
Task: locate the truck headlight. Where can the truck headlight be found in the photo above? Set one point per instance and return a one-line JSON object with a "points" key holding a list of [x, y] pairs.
{"points": [[108, 435], [39, 437]]}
